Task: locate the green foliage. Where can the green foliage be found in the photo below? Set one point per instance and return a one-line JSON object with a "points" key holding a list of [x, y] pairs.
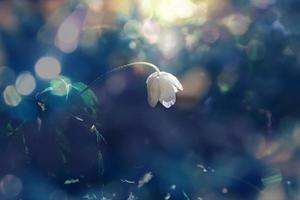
{"points": [[60, 86], [88, 97]]}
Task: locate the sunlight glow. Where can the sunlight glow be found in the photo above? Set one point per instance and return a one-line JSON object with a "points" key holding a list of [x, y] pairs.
{"points": [[151, 31], [48, 68], [168, 11], [25, 83], [94, 5], [169, 43]]}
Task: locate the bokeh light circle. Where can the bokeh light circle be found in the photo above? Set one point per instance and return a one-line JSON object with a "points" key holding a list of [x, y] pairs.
{"points": [[11, 96], [68, 32], [48, 68], [237, 24], [67, 36], [25, 83], [11, 186]]}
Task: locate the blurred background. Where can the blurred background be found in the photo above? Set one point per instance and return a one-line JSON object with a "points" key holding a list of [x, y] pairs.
{"points": [[233, 134]]}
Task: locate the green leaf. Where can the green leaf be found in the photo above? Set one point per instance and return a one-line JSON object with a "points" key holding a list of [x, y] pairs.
{"points": [[60, 86], [89, 98]]}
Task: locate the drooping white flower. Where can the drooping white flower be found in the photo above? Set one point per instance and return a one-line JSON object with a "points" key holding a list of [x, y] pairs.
{"points": [[162, 87]]}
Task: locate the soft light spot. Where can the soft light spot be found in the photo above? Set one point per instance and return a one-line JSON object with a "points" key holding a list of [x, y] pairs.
{"points": [[196, 85], [118, 6], [95, 5], [11, 186], [224, 190], [151, 31], [68, 32], [169, 43], [132, 29], [11, 96], [132, 45], [204, 169], [67, 35], [25, 83], [168, 11], [48, 68], [237, 24]]}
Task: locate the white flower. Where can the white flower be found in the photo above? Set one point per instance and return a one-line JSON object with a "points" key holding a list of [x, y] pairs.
{"points": [[162, 87]]}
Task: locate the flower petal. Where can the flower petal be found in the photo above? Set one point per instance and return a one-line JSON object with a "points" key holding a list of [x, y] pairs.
{"points": [[151, 77], [173, 80], [168, 104], [167, 92], [153, 89]]}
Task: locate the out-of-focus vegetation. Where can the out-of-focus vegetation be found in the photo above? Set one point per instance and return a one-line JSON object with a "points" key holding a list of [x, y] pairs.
{"points": [[233, 134]]}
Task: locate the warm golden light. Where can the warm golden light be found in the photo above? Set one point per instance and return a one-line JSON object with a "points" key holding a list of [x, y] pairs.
{"points": [[168, 11]]}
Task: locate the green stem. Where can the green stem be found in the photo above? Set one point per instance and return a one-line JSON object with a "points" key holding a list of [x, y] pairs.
{"points": [[117, 69]]}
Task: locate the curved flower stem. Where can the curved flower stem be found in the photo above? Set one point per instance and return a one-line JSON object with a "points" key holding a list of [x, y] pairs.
{"points": [[117, 69]]}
